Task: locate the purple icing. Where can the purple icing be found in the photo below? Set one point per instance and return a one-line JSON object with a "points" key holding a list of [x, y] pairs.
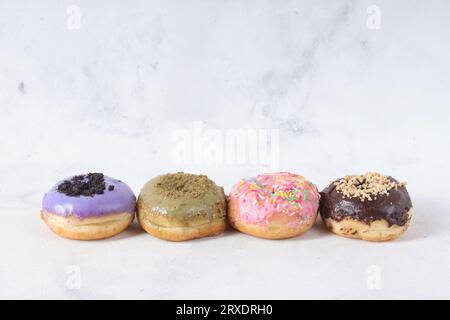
{"points": [[120, 199]]}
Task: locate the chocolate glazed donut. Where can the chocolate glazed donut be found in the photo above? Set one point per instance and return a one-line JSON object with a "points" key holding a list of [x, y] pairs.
{"points": [[376, 217]]}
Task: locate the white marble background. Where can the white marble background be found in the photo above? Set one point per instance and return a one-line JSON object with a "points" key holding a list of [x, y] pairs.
{"points": [[345, 97]]}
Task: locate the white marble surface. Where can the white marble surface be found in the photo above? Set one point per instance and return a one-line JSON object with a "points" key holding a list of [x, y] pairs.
{"points": [[108, 97]]}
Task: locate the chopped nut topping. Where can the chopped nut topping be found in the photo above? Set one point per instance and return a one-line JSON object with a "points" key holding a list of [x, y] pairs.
{"points": [[366, 186]]}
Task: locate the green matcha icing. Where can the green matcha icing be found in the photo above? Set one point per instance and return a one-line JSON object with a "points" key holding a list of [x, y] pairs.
{"points": [[183, 195]]}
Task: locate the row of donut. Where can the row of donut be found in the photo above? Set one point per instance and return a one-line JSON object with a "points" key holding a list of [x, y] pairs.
{"points": [[182, 206]]}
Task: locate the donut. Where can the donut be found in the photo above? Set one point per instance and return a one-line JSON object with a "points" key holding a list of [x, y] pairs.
{"points": [[273, 205], [182, 206], [370, 206], [88, 207]]}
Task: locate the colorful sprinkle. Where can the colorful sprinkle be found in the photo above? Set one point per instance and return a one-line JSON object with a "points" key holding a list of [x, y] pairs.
{"points": [[276, 193]]}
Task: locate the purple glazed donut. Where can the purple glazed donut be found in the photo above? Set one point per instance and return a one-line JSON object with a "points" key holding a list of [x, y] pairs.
{"points": [[88, 207]]}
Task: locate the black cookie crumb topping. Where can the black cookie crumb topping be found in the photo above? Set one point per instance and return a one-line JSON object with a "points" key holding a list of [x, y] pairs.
{"points": [[84, 185], [111, 188]]}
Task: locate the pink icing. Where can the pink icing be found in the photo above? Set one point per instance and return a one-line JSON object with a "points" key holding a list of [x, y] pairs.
{"points": [[261, 197]]}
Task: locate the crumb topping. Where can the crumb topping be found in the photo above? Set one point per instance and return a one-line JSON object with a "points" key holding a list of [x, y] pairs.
{"points": [[176, 185], [366, 186], [87, 185], [83, 185]]}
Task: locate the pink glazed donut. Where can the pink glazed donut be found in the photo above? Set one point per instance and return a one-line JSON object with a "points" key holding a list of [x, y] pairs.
{"points": [[273, 205]]}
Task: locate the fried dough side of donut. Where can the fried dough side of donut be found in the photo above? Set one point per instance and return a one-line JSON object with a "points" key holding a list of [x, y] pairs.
{"points": [[378, 230], [94, 228], [170, 229]]}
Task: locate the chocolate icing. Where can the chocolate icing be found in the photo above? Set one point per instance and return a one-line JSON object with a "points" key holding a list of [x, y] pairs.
{"points": [[393, 207]]}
